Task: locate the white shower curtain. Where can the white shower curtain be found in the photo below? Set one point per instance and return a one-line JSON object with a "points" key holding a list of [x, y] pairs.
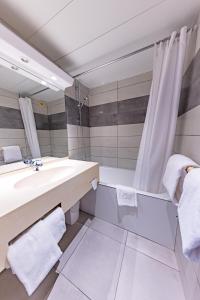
{"points": [[29, 125], [160, 124]]}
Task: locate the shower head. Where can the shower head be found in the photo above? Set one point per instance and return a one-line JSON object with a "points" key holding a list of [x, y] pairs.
{"points": [[81, 103]]}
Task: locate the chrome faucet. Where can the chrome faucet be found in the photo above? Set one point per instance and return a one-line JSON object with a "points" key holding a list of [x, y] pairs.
{"points": [[36, 163]]}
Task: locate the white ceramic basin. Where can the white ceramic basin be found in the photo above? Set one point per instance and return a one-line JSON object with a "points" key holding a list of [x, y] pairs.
{"points": [[44, 177]]}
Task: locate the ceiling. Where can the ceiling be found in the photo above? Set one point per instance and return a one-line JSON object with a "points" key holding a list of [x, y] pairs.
{"points": [[80, 34]]}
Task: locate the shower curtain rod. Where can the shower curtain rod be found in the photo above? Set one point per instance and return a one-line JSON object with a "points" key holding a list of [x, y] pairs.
{"points": [[128, 55], [120, 58]]}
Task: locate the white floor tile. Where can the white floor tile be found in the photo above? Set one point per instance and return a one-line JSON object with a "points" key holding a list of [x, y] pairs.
{"points": [[95, 265], [63, 290], [71, 248], [152, 249], [143, 278], [114, 232]]}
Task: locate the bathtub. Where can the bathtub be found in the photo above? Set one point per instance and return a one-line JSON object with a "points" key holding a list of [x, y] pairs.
{"points": [[155, 217]]}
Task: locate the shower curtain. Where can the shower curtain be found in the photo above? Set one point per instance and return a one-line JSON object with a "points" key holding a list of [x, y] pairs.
{"points": [[29, 125], [160, 124]]}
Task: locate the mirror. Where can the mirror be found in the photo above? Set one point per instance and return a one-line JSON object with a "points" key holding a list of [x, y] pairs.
{"points": [[49, 113], [61, 120]]}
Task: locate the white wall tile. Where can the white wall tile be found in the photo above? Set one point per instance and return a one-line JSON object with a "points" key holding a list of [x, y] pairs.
{"points": [[129, 142], [58, 133], [59, 141], [43, 133], [59, 148], [130, 129], [133, 91], [104, 151], [103, 131], [106, 97], [126, 163], [104, 88], [189, 146], [73, 143], [39, 107], [103, 141], [43, 141], [131, 153], [12, 133], [86, 131], [9, 102], [135, 79], [56, 106], [72, 130], [105, 161]]}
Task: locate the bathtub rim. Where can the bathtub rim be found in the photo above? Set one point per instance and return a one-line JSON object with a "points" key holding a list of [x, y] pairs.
{"points": [[162, 196]]}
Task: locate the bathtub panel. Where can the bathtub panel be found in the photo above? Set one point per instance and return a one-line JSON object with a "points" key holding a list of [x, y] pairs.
{"points": [[151, 219]]}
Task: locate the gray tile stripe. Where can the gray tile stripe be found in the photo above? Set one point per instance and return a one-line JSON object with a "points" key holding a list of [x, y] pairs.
{"points": [[10, 118], [41, 121], [130, 111], [190, 92], [73, 115], [57, 121]]}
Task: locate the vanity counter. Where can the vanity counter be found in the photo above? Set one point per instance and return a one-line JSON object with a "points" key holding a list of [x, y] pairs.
{"points": [[27, 195]]}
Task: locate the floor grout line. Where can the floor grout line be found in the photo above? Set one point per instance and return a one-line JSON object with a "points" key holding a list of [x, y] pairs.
{"points": [[74, 249], [121, 265], [107, 236], [75, 286], [137, 250]]}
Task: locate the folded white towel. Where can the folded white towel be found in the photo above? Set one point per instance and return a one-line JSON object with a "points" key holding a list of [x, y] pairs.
{"points": [[94, 183], [56, 223], [126, 196], [189, 215], [174, 168], [11, 154], [33, 255]]}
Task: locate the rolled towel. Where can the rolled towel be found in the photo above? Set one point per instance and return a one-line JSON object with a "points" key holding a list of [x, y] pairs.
{"points": [[189, 215], [33, 255], [56, 223], [126, 196], [173, 172], [11, 154]]}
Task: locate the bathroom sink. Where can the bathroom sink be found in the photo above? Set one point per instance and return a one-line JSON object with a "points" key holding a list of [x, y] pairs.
{"points": [[44, 177]]}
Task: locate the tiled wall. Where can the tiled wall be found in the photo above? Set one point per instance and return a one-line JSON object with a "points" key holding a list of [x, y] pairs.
{"points": [[188, 143], [41, 120], [78, 130], [116, 116], [12, 128], [11, 125], [57, 128]]}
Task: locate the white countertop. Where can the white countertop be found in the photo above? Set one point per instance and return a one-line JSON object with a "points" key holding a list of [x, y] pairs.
{"points": [[12, 198]]}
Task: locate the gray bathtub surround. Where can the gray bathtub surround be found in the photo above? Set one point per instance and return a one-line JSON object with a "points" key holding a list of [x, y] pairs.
{"points": [[117, 113], [144, 220]]}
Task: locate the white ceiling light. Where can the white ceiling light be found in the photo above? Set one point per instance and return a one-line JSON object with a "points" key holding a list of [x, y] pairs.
{"points": [[22, 58]]}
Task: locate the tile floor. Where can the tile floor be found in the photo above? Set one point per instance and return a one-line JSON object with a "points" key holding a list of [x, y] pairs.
{"points": [[109, 263]]}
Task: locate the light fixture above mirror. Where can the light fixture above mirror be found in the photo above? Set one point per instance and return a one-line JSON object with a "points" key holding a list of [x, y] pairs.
{"points": [[22, 58]]}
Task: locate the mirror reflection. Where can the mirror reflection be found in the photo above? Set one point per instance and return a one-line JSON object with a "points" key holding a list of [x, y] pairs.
{"points": [[36, 122]]}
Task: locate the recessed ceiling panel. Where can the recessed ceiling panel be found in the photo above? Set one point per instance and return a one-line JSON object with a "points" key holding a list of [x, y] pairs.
{"points": [[27, 16], [83, 21]]}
